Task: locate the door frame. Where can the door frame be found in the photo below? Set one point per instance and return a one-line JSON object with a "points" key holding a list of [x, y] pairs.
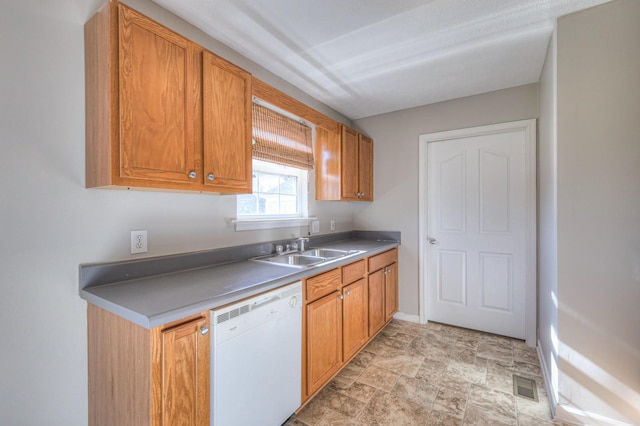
{"points": [[529, 127]]}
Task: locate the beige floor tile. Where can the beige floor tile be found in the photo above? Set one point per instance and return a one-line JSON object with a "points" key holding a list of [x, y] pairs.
{"points": [[416, 390], [335, 418], [482, 416], [312, 413], [526, 354], [450, 402], [406, 364], [438, 418], [389, 409], [363, 359], [359, 391], [539, 409], [432, 374], [379, 378], [470, 372], [527, 420], [339, 402], [503, 404]]}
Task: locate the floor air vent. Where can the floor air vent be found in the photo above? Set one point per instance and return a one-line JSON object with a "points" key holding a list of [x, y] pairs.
{"points": [[526, 388]]}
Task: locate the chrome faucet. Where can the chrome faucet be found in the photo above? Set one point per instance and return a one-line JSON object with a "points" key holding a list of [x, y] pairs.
{"points": [[299, 242]]}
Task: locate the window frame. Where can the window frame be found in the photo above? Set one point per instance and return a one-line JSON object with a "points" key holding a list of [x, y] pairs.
{"points": [[302, 191]]}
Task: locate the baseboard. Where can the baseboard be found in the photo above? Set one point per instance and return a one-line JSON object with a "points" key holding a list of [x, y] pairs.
{"points": [[546, 375], [406, 317]]}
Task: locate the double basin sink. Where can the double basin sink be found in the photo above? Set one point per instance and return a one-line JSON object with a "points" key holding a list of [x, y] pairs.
{"points": [[307, 258]]}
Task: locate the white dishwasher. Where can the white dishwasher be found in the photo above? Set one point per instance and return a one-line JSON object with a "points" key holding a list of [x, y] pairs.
{"points": [[256, 355]]}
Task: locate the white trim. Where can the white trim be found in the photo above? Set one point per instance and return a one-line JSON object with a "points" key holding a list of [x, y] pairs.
{"points": [[529, 126], [252, 225], [406, 317], [548, 385]]}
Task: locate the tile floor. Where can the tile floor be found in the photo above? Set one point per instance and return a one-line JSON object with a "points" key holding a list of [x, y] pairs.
{"points": [[433, 374]]}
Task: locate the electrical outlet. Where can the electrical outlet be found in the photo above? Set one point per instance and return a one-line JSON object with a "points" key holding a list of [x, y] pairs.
{"points": [[315, 227], [332, 224], [139, 241]]}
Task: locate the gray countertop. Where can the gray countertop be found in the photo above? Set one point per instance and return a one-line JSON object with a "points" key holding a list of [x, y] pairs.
{"points": [[153, 300]]}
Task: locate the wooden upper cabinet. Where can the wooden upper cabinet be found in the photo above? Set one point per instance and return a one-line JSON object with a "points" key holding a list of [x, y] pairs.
{"points": [[157, 116], [349, 161], [344, 165], [227, 125], [159, 99], [365, 167]]}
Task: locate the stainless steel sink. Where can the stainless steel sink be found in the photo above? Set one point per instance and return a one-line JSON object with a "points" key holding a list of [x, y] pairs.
{"points": [[322, 252], [308, 258], [295, 260]]}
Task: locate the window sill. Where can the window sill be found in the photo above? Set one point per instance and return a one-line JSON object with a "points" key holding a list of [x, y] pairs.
{"points": [[255, 224]]}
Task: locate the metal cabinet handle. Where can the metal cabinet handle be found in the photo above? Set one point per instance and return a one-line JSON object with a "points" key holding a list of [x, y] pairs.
{"points": [[192, 175], [204, 330], [432, 240], [348, 293], [341, 297], [210, 176]]}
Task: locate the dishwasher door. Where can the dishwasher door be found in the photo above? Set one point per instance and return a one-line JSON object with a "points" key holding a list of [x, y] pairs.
{"points": [[256, 355]]}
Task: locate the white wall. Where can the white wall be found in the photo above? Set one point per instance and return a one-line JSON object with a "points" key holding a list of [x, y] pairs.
{"points": [[598, 171], [548, 221], [396, 166], [49, 223]]}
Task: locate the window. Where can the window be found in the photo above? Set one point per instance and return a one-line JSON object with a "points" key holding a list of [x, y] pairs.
{"points": [[282, 158], [278, 192]]}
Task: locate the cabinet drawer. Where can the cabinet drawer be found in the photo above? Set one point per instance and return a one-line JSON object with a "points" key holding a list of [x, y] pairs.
{"points": [[322, 284], [353, 272], [383, 259]]}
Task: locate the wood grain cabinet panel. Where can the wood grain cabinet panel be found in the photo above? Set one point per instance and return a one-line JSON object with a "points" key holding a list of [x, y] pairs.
{"points": [[141, 377], [227, 125], [344, 165], [183, 373], [159, 81], [383, 289], [377, 313], [355, 321], [324, 340], [391, 291], [150, 120]]}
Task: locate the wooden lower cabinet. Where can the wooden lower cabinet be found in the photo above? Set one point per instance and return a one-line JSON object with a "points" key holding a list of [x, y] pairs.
{"points": [[324, 340], [390, 291], [355, 330], [344, 309], [377, 316], [156, 377]]}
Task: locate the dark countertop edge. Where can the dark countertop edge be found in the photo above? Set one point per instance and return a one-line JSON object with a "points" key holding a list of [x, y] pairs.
{"points": [[288, 276]]}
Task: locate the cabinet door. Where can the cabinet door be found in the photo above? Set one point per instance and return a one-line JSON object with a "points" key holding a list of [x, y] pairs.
{"points": [[182, 378], [355, 317], [324, 340], [349, 164], [365, 167], [227, 125], [159, 105], [376, 301], [390, 290]]}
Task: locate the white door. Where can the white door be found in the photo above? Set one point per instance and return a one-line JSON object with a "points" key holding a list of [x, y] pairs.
{"points": [[476, 248]]}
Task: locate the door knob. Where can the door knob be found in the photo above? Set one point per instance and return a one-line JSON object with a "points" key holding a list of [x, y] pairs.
{"points": [[432, 240]]}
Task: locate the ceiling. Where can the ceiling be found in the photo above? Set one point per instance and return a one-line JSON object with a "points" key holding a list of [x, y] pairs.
{"points": [[367, 57]]}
